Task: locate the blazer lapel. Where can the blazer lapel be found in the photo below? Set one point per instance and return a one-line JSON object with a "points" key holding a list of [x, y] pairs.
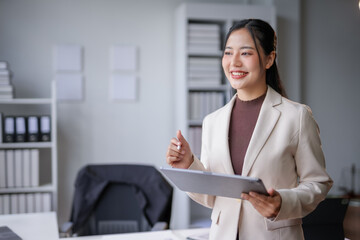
{"points": [[266, 122]]}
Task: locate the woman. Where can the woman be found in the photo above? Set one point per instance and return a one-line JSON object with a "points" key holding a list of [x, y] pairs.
{"points": [[259, 133]]}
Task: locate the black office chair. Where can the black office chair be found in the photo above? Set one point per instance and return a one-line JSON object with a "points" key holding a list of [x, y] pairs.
{"points": [[119, 198], [326, 221]]}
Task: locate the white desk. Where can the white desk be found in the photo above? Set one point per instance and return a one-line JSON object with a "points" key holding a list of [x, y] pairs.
{"points": [[43, 226], [160, 235], [39, 226]]}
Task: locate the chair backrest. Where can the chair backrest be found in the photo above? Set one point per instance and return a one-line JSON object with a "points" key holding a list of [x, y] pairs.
{"points": [[120, 198], [326, 221], [117, 211]]}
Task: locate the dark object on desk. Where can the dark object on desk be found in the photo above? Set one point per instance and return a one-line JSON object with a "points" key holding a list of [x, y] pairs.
{"points": [[201, 236], [119, 198], [7, 234], [326, 221]]}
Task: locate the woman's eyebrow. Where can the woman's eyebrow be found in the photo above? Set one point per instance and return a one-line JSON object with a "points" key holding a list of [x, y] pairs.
{"points": [[244, 47], [247, 47]]}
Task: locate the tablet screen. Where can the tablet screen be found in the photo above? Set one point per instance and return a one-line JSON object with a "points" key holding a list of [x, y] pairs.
{"points": [[216, 184]]}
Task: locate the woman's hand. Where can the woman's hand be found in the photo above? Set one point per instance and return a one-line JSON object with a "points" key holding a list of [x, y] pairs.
{"points": [[267, 206], [179, 154]]}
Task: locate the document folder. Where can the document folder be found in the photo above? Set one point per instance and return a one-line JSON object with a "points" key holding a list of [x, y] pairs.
{"points": [[211, 183], [45, 129], [33, 129], [9, 129], [20, 127]]}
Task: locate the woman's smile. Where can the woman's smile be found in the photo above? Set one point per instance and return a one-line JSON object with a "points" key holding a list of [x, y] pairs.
{"points": [[238, 74]]}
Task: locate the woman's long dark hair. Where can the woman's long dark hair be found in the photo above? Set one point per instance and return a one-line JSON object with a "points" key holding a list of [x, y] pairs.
{"points": [[261, 32]]}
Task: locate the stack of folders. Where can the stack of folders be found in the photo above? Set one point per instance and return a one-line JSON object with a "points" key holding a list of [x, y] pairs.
{"points": [[204, 38], [25, 203], [203, 72], [26, 129], [6, 89], [203, 103], [195, 140], [19, 168]]}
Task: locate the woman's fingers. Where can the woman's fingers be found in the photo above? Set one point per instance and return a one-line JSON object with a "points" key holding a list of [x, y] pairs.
{"points": [[179, 154], [268, 206]]}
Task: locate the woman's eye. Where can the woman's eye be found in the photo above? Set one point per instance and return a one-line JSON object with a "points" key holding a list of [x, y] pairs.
{"points": [[245, 53], [227, 53]]}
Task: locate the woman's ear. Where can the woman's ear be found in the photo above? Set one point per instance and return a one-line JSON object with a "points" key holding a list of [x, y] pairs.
{"points": [[270, 59]]}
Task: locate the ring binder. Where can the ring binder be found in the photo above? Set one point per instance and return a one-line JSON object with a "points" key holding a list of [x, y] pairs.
{"points": [[20, 129], [33, 129], [9, 129], [45, 128]]}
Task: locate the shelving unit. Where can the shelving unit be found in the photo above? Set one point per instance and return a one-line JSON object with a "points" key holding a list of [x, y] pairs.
{"points": [[47, 150], [212, 16]]}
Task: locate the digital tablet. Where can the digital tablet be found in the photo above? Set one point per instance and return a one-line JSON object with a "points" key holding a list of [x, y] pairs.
{"points": [[216, 184]]}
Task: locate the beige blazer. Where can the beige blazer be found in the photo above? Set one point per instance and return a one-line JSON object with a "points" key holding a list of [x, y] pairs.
{"points": [[284, 151]]}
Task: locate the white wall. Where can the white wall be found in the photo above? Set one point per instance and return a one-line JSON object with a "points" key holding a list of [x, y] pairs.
{"points": [[98, 131], [288, 34], [331, 81]]}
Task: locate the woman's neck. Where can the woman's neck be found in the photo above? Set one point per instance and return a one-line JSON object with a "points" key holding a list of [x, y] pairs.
{"points": [[246, 95]]}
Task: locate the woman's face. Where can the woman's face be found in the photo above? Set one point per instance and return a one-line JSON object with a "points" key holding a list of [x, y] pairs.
{"points": [[242, 66]]}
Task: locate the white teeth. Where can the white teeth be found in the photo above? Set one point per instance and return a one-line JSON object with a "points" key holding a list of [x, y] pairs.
{"points": [[238, 73]]}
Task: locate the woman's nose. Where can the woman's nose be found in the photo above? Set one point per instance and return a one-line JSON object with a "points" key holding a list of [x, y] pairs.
{"points": [[235, 60]]}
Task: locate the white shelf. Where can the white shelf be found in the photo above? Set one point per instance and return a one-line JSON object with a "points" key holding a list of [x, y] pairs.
{"points": [[195, 122], [26, 101], [205, 54], [48, 150], [223, 87], [43, 188], [26, 145]]}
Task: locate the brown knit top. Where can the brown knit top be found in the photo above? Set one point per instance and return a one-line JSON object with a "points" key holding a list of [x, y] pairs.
{"points": [[242, 123]]}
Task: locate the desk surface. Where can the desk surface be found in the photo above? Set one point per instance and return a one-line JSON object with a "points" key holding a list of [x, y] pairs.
{"points": [[39, 226], [43, 226], [159, 235]]}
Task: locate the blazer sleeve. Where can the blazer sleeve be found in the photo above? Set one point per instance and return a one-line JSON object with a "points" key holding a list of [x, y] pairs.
{"points": [[203, 165], [314, 182]]}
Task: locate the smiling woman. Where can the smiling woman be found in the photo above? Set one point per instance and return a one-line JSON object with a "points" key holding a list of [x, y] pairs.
{"points": [[259, 133], [241, 64], [246, 36]]}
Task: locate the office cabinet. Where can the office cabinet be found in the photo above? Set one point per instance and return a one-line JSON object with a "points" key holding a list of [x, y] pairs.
{"points": [[29, 181]]}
